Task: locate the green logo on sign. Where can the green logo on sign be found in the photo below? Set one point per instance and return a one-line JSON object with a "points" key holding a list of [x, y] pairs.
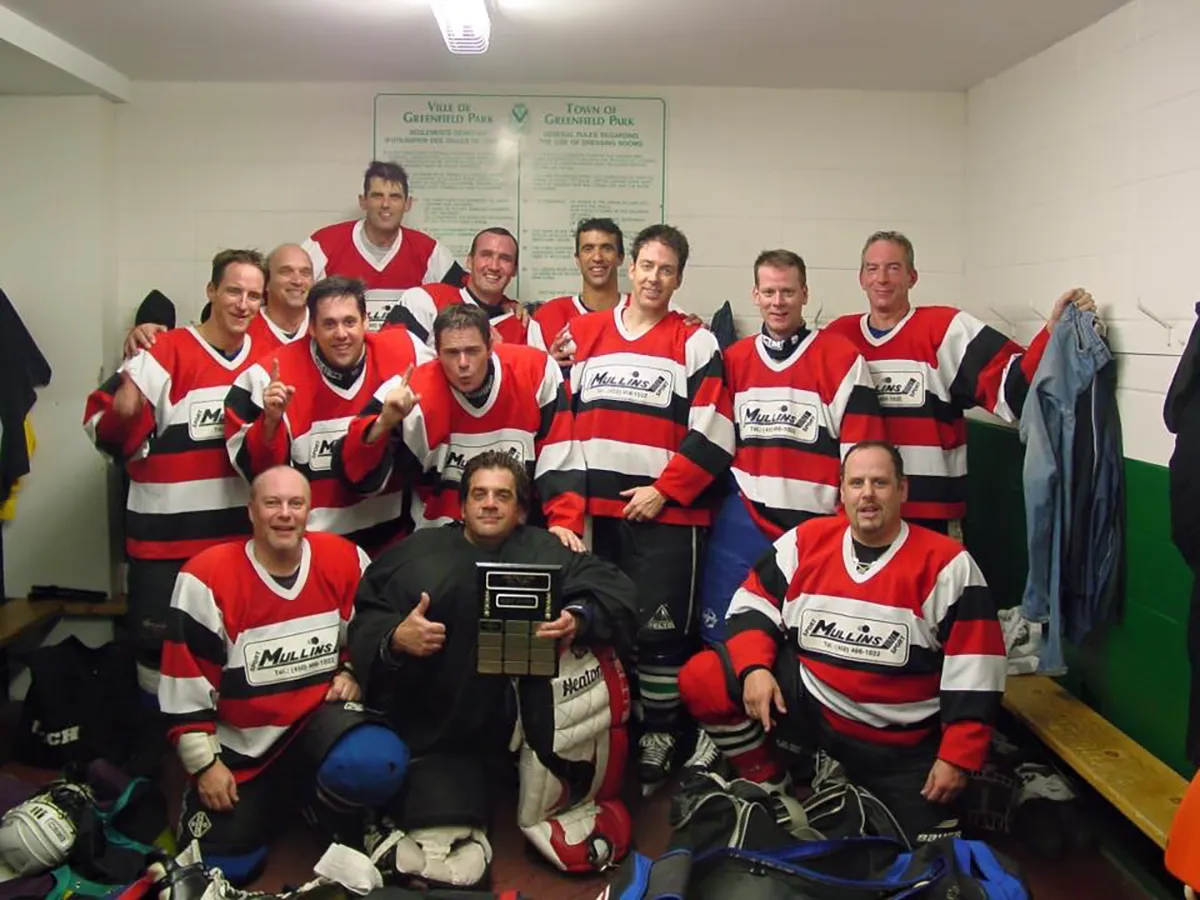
{"points": [[520, 113]]}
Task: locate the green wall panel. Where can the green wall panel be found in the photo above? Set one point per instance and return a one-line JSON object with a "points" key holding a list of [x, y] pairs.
{"points": [[1135, 673]]}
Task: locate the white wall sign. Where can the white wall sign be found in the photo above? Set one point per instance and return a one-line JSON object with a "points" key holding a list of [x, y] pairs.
{"points": [[533, 164]]}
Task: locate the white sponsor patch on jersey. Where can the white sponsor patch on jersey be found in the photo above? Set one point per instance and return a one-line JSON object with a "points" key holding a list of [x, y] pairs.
{"points": [[854, 637], [463, 448], [206, 420], [766, 420], [380, 303], [900, 389], [628, 383], [321, 441], [293, 656]]}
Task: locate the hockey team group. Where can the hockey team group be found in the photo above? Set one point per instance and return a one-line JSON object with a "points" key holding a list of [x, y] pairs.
{"points": [[759, 540]]}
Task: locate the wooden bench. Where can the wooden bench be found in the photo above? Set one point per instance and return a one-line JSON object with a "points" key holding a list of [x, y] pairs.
{"points": [[19, 615], [1143, 788]]}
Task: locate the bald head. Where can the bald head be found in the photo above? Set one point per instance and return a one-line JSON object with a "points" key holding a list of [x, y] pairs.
{"points": [[279, 504], [279, 478], [289, 276]]}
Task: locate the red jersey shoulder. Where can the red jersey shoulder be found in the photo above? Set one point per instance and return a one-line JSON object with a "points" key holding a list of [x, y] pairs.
{"points": [[589, 326], [819, 530], [429, 380], [215, 561], [848, 327], [329, 548], [294, 358], [938, 548], [419, 241], [935, 320], [740, 355], [337, 233], [525, 360], [443, 294], [392, 348]]}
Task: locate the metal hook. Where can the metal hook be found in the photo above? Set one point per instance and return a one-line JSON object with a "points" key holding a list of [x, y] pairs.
{"points": [[817, 318], [1038, 312], [1003, 318], [1153, 317]]}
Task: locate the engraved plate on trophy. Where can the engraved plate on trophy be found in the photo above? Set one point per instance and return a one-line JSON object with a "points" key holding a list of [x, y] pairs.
{"points": [[514, 599]]}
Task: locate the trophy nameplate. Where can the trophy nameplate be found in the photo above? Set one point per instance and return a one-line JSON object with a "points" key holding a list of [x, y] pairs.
{"points": [[514, 599]]}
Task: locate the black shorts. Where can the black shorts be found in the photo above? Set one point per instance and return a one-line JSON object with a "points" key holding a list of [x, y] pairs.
{"points": [[150, 585], [894, 774], [267, 802], [663, 563]]}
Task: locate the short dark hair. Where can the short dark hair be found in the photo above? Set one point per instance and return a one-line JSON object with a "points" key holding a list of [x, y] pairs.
{"points": [[892, 450], [226, 258], [892, 237], [667, 235], [461, 316], [385, 171], [781, 259], [607, 226], [337, 286], [497, 459], [503, 232]]}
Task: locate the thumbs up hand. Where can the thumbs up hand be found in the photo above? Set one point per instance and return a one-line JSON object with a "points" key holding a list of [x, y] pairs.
{"points": [[416, 635]]}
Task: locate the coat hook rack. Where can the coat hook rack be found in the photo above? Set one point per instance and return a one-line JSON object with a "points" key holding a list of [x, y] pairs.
{"points": [[1157, 319]]}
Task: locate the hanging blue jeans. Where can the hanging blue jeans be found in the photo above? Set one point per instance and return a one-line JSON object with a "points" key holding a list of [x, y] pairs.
{"points": [[1074, 354]]}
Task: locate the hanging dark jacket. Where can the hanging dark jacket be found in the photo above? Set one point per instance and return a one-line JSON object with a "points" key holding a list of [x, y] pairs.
{"points": [[1181, 414], [23, 368]]}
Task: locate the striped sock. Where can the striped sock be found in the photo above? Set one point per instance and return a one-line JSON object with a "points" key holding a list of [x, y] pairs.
{"points": [[745, 745], [658, 686]]}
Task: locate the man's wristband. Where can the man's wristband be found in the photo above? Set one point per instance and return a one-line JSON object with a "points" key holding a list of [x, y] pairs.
{"points": [[198, 751]]}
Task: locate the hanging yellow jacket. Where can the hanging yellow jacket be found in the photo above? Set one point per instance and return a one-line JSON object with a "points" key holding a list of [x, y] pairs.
{"points": [[8, 511]]}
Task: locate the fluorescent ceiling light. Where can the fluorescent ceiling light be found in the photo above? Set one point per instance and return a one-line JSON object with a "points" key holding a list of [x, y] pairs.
{"points": [[466, 25]]}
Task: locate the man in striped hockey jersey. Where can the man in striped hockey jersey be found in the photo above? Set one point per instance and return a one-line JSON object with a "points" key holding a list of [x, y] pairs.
{"points": [[871, 638], [653, 418], [295, 404], [162, 416], [378, 250], [599, 254], [475, 396], [930, 364], [492, 263], [801, 399], [259, 696], [283, 316]]}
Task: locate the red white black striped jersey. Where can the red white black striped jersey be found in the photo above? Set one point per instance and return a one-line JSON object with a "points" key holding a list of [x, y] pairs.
{"points": [[526, 415], [555, 315], [421, 305], [184, 495], [935, 364], [415, 259], [651, 409], [268, 336], [248, 659], [794, 419], [316, 419], [893, 651]]}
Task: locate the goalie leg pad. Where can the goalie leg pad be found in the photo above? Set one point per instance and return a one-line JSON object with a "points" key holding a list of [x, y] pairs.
{"points": [[573, 753]]}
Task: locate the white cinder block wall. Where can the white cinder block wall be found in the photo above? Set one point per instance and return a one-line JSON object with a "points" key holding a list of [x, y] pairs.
{"points": [[58, 266], [208, 166], [1083, 167]]}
